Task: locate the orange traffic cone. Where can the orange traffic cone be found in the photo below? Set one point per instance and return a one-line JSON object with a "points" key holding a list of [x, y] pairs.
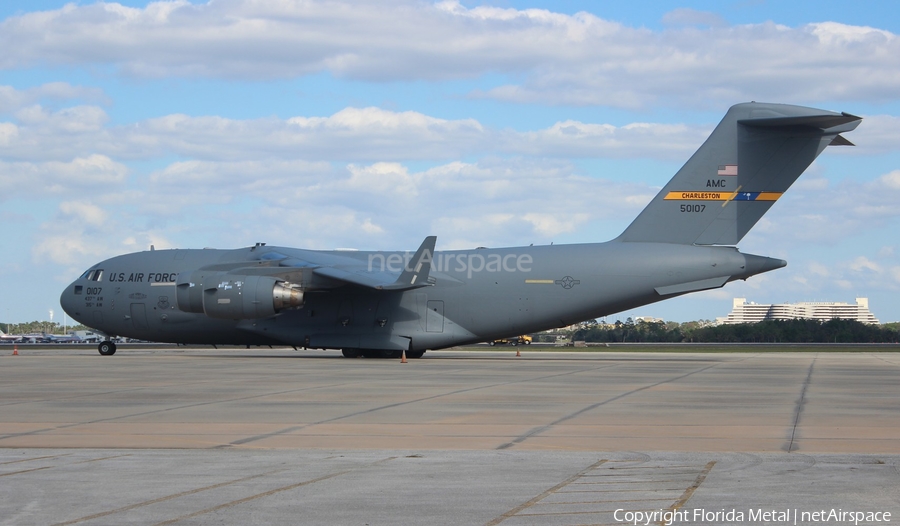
{"points": [[403, 357], [518, 353], [15, 350]]}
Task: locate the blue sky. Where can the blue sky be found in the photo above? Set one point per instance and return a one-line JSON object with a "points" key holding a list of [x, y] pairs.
{"points": [[374, 124]]}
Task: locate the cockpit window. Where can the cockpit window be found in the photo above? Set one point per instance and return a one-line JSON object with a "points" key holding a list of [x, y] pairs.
{"points": [[94, 275]]}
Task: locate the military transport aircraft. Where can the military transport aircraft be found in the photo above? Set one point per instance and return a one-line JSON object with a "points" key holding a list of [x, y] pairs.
{"points": [[382, 303]]}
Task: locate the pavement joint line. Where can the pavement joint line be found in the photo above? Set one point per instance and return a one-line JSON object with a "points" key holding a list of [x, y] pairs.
{"points": [[176, 408], [33, 459], [540, 429], [190, 382], [165, 498], [620, 490], [551, 514], [688, 493], [270, 492], [877, 357], [613, 468], [101, 458], [798, 409], [24, 471], [615, 482], [88, 395], [546, 493], [638, 478], [597, 501], [299, 427]]}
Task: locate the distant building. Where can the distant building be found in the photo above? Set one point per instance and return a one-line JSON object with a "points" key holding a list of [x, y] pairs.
{"points": [[749, 312]]}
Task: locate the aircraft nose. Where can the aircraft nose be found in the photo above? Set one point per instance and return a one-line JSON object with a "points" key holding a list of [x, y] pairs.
{"points": [[67, 301]]}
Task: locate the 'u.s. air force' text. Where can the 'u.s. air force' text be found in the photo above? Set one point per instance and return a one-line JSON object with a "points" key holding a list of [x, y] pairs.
{"points": [[140, 277]]}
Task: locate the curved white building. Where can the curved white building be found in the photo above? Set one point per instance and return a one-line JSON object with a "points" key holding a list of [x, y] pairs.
{"points": [[749, 312]]}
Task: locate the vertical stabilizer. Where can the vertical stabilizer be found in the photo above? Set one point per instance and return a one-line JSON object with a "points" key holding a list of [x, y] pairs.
{"points": [[752, 157]]}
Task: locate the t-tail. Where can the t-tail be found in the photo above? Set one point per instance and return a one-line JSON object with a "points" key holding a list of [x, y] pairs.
{"points": [[752, 157]]}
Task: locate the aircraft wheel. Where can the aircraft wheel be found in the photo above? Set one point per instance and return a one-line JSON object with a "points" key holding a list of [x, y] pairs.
{"points": [[414, 354], [107, 348], [350, 353]]}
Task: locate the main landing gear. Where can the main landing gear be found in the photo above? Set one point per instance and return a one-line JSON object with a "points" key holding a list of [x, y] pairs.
{"points": [[107, 348]]}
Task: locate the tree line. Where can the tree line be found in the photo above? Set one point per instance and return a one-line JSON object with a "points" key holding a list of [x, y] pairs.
{"points": [[34, 327], [769, 331]]}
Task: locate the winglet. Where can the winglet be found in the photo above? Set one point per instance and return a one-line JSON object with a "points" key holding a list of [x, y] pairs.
{"points": [[414, 276], [416, 272]]}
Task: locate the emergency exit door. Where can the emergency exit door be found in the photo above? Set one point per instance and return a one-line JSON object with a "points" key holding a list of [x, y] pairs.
{"points": [[434, 316]]}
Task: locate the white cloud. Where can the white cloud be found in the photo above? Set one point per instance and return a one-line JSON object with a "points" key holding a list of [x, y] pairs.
{"points": [[382, 178], [348, 177], [561, 59], [818, 269], [553, 224], [83, 232], [351, 134], [12, 99], [36, 180], [895, 275], [890, 180], [828, 214], [877, 134], [82, 212], [498, 202], [685, 16], [863, 264], [8, 132]]}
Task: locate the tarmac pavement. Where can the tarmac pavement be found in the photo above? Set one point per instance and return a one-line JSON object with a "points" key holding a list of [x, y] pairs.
{"points": [[175, 436]]}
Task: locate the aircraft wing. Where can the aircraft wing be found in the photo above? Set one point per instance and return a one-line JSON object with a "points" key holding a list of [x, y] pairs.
{"points": [[414, 275]]}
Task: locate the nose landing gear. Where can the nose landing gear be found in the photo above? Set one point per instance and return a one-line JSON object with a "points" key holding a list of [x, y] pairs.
{"points": [[107, 348]]}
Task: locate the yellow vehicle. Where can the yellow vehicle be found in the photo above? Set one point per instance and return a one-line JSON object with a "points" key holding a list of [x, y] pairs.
{"points": [[517, 340]]}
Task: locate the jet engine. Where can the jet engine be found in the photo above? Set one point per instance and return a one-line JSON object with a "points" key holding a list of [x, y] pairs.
{"points": [[235, 297]]}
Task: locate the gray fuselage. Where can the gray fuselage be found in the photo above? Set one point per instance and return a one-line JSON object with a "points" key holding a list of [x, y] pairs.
{"points": [[474, 295]]}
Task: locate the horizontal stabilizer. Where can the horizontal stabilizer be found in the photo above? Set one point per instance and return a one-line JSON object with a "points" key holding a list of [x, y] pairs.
{"points": [[816, 121]]}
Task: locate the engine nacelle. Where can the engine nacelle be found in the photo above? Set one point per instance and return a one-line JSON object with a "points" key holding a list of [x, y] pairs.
{"points": [[189, 290], [234, 297]]}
